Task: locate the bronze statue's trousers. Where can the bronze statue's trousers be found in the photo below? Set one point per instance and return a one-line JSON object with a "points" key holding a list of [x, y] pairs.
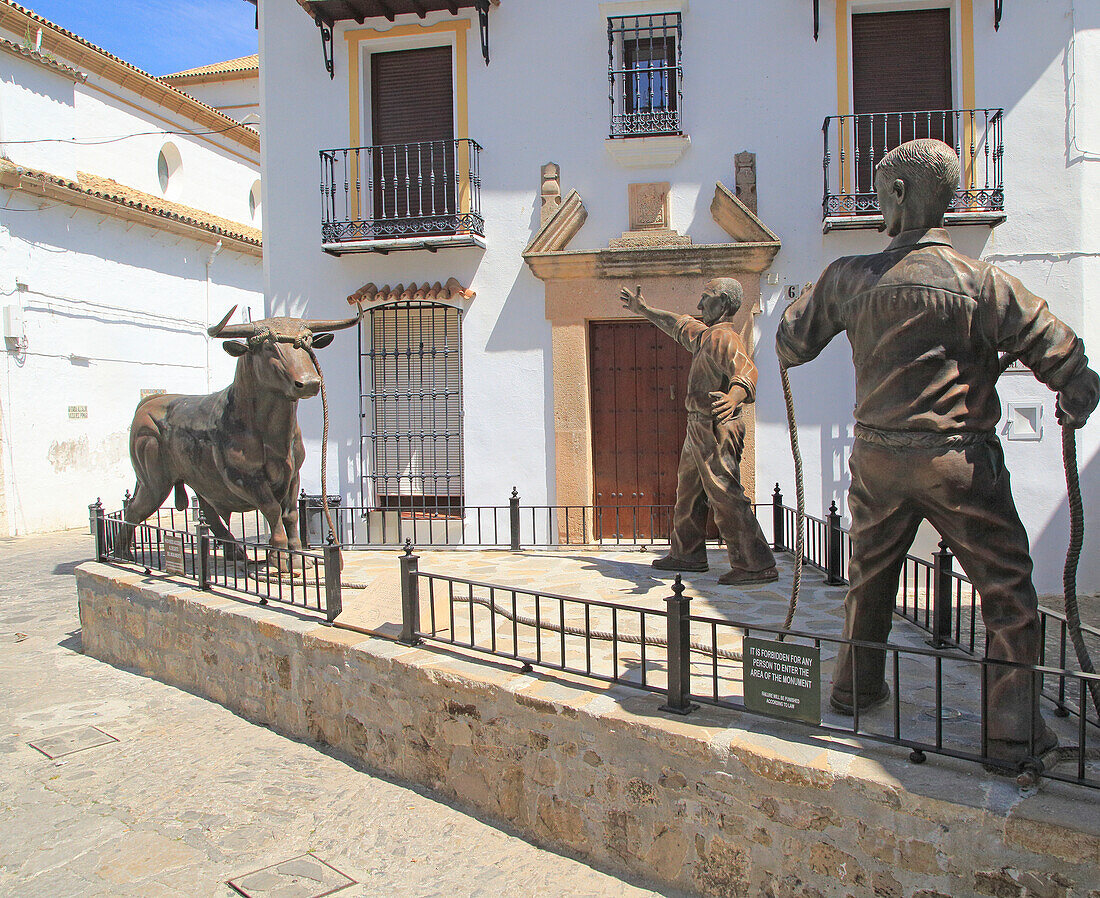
{"points": [[964, 493], [709, 473]]}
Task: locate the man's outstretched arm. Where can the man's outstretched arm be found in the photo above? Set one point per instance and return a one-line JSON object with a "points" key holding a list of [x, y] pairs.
{"points": [[635, 303]]}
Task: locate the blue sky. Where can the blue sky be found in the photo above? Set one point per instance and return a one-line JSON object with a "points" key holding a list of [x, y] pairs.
{"points": [[160, 36]]}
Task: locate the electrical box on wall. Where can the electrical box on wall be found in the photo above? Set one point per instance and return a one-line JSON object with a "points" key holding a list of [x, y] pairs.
{"points": [[13, 321], [1024, 421]]}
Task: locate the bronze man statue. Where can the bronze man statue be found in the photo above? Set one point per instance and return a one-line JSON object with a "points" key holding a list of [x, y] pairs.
{"points": [[926, 326], [721, 379]]}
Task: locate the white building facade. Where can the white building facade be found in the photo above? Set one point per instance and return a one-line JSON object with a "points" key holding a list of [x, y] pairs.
{"points": [[126, 228], [644, 107]]}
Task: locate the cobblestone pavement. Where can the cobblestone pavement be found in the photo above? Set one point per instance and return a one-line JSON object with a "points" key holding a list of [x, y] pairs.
{"points": [[191, 796]]}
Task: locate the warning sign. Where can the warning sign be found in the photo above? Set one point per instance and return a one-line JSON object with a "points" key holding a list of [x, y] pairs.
{"points": [[782, 679], [173, 553]]}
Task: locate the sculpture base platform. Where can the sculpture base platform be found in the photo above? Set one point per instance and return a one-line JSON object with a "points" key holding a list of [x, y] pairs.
{"points": [[717, 803]]}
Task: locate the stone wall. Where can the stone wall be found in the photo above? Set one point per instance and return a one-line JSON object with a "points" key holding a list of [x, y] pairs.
{"points": [[699, 803]]}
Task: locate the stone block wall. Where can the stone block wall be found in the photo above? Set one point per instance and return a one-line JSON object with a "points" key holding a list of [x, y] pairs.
{"points": [[711, 803]]}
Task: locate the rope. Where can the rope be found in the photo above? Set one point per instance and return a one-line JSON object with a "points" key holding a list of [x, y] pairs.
{"points": [[1073, 555], [324, 447], [800, 497]]}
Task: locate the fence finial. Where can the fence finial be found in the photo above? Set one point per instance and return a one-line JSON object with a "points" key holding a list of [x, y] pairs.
{"points": [[678, 586], [408, 546], [515, 493]]}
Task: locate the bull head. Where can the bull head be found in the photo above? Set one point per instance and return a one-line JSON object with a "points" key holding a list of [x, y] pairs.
{"points": [[281, 349]]}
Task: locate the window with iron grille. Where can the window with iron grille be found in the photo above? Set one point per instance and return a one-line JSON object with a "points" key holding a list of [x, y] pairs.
{"points": [[411, 407], [644, 73]]}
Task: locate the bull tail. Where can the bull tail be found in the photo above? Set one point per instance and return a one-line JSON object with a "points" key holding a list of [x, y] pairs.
{"points": [[181, 496]]}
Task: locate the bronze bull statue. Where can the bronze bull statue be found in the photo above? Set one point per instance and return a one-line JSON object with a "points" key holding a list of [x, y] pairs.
{"points": [[238, 449]]}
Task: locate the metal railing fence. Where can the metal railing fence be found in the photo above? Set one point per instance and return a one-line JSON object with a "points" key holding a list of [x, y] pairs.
{"points": [[854, 145], [692, 658], [300, 578], [423, 189]]}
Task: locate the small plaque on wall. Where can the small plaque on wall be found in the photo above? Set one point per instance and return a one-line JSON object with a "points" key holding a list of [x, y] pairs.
{"points": [[782, 679], [78, 411], [173, 553]]}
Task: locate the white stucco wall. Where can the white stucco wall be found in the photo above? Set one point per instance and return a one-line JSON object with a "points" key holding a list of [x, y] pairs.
{"points": [[755, 79], [40, 109], [108, 307], [236, 97]]}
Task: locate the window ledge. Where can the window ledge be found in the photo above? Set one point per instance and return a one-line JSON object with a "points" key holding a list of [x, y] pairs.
{"points": [[647, 152], [399, 244], [875, 222]]}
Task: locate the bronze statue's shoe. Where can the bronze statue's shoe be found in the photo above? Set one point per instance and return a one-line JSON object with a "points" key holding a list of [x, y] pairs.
{"points": [[841, 702], [672, 563], [739, 576], [1014, 753]]}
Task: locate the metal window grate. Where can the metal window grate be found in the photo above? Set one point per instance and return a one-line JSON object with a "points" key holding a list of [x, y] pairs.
{"points": [[411, 407], [644, 74]]}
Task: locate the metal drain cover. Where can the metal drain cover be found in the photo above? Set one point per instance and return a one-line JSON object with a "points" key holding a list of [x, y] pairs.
{"points": [[71, 741], [305, 876]]}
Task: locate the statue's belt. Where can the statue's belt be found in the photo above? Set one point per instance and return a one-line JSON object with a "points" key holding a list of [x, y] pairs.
{"points": [[921, 439], [709, 416]]}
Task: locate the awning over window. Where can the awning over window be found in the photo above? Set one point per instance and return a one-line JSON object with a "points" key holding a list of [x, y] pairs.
{"points": [[327, 12]]}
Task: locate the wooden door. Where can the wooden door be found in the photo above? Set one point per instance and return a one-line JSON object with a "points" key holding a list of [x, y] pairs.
{"points": [[638, 382], [901, 63]]}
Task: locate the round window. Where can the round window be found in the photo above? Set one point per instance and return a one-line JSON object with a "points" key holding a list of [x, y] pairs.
{"points": [[168, 167], [254, 201]]}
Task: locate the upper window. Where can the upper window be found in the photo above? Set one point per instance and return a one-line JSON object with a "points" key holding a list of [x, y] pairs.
{"points": [[645, 74]]}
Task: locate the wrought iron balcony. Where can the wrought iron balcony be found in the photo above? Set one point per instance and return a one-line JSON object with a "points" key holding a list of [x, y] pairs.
{"points": [[854, 144], [402, 196]]}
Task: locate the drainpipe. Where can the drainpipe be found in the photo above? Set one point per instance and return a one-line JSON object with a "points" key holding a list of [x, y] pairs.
{"points": [[209, 261]]}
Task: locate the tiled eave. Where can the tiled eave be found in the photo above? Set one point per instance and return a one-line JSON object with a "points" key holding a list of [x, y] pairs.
{"points": [[87, 57], [43, 59], [130, 205]]}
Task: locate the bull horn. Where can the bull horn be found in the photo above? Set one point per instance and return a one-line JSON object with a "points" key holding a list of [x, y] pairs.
{"points": [[321, 327], [242, 331]]}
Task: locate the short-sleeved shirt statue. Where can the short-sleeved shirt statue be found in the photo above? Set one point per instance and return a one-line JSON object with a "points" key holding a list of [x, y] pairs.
{"points": [[719, 361]]}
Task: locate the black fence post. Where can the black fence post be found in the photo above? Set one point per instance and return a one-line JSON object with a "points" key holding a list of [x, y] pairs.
{"points": [[941, 597], [202, 541], [778, 536], [835, 567], [410, 596], [100, 531], [303, 521], [679, 651], [513, 519], [334, 600]]}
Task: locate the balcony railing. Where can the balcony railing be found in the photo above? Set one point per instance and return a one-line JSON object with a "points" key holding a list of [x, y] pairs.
{"points": [[372, 197], [854, 145]]}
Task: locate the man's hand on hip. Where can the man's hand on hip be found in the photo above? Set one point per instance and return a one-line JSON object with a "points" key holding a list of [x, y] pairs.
{"points": [[724, 406]]}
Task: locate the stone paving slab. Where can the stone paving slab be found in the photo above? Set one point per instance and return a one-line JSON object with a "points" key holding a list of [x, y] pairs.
{"points": [[191, 796]]}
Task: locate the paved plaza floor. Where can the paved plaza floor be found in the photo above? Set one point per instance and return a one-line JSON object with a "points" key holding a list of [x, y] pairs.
{"points": [[153, 791]]}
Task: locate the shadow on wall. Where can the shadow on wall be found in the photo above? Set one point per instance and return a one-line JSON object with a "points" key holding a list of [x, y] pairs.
{"points": [[1053, 540]]}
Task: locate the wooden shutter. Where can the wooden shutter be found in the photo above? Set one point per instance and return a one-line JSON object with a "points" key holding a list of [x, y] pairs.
{"points": [[415, 181], [411, 96], [901, 63]]}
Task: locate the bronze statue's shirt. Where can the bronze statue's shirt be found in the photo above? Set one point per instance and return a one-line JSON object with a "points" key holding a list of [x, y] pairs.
{"points": [[718, 361], [926, 325]]}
